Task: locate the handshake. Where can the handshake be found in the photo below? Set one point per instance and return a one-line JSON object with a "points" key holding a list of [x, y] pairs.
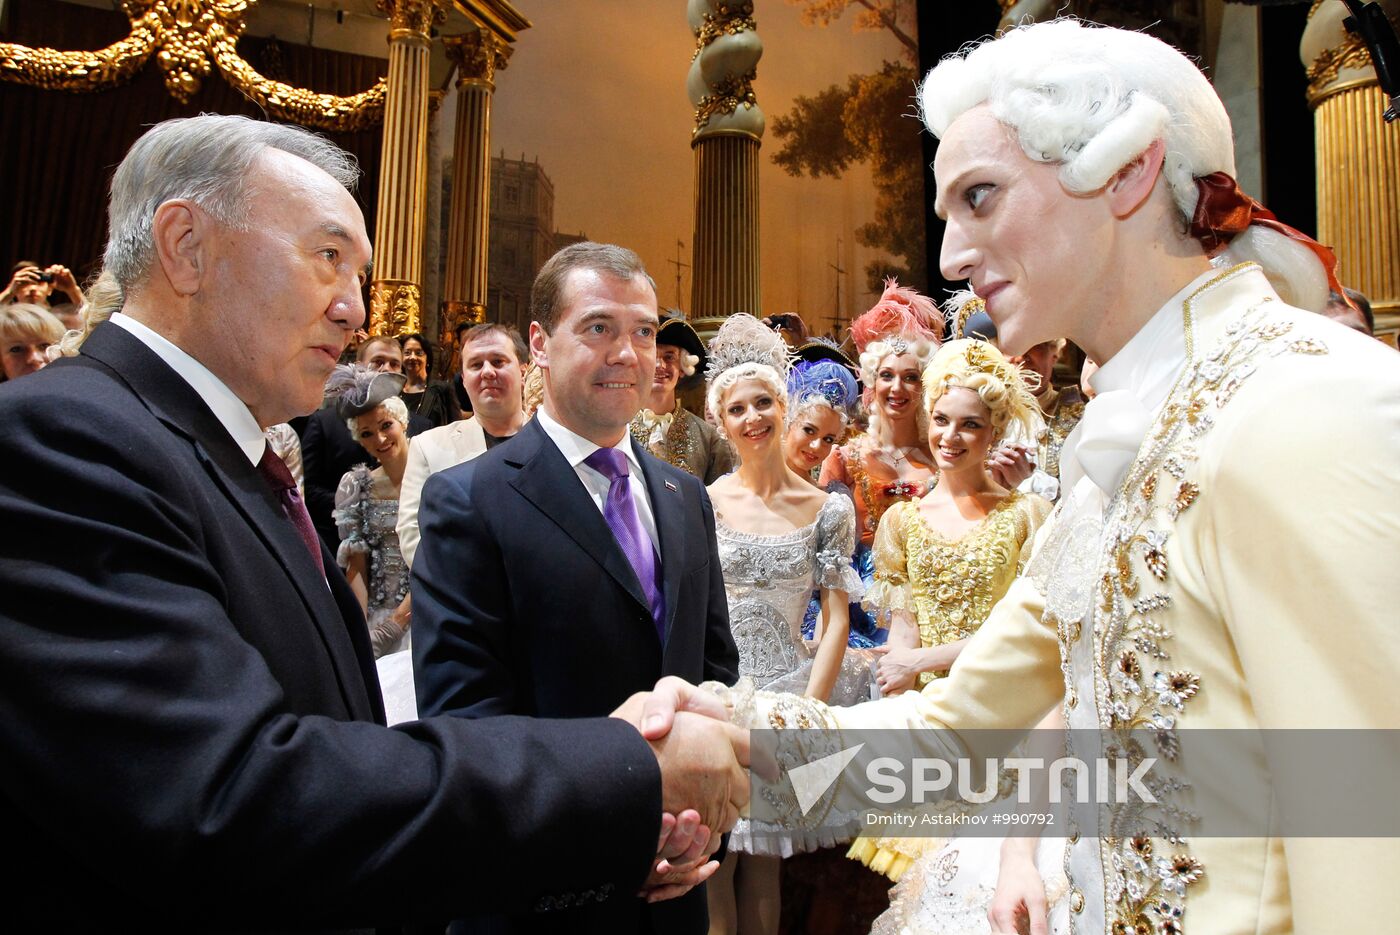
{"points": [[704, 784]]}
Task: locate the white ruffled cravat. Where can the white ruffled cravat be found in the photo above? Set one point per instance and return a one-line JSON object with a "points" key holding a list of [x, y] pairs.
{"points": [[657, 426], [1107, 439], [1131, 388]]}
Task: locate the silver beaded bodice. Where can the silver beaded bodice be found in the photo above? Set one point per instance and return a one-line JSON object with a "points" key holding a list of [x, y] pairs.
{"points": [[769, 580]]}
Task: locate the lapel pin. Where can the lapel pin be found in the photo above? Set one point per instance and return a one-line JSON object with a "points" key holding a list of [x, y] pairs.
{"points": [[671, 485]]}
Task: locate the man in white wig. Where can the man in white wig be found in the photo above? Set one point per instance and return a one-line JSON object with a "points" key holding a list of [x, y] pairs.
{"points": [[1223, 553]]}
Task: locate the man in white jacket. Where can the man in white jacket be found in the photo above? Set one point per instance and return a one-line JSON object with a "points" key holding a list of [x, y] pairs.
{"points": [[494, 358]]}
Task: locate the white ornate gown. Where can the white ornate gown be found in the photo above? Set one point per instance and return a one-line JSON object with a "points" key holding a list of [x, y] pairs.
{"points": [[367, 527], [768, 580]]}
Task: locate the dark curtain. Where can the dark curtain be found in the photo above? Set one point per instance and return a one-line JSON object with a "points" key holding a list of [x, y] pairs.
{"points": [[58, 149]]}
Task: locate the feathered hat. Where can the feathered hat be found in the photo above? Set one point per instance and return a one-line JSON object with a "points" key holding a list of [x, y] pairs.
{"points": [[901, 317], [358, 389], [822, 379]]}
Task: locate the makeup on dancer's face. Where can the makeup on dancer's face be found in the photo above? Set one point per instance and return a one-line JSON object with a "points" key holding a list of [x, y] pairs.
{"points": [[811, 437], [897, 384], [960, 430], [752, 414]]}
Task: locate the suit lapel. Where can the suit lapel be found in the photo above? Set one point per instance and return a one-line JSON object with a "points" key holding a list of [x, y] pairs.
{"points": [[547, 480], [249, 493], [173, 401], [668, 509], [468, 440]]}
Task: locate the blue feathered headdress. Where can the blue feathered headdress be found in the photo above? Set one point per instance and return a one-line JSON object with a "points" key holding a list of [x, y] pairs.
{"points": [[824, 378]]}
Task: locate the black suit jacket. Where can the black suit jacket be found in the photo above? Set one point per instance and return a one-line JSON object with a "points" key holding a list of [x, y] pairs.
{"points": [[523, 603], [188, 709]]}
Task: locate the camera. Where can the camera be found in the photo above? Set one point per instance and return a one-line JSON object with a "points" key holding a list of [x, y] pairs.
{"points": [[46, 277]]}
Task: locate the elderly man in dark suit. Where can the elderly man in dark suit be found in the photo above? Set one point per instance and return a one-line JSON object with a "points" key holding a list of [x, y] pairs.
{"points": [[568, 567], [189, 712]]}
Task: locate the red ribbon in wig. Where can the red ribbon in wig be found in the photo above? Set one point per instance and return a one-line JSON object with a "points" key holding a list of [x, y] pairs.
{"points": [[1222, 211]]}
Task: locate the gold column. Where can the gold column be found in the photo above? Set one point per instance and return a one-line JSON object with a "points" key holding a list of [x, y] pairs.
{"points": [[726, 139], [395, 292], [478, 56], [1358, 160], [725, 272]]}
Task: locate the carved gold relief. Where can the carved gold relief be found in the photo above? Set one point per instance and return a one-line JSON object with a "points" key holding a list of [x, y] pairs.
{"points": [[187, 38], [455, 315], [1352, 53], [727, 97], [478, 56], [394, 307], [731, 20]]}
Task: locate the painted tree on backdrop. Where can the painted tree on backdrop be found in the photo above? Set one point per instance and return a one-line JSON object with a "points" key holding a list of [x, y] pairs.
{"points": [[869, 119]]}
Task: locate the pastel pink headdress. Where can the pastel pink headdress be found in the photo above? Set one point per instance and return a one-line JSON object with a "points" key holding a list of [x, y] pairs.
{"points": [[901, 313]]}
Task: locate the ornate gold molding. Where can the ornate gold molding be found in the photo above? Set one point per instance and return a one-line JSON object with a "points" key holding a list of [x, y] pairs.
{"points": [[454, 315], [186, 36], [1352, 53], [478, 56], [395, 307], [416, 16], [729, 94], [731, 20]]}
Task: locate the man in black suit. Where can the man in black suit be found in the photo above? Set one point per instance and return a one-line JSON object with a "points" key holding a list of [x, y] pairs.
{"points": [[529, 598], [190, 706]]}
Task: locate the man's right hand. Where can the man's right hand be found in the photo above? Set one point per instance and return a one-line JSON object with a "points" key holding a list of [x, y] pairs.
{"points": [[703, 764]]}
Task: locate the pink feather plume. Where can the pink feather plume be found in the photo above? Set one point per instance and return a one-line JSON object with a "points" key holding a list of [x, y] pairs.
{"points": [[900, 311]]}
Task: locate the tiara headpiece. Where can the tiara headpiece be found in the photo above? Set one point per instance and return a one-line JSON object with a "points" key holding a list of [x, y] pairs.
{"points": [[959, 308], [743, 339]]}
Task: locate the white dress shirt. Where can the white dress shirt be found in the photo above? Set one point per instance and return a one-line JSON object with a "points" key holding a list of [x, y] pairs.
{"points": [[575, 448], [231, 411]]}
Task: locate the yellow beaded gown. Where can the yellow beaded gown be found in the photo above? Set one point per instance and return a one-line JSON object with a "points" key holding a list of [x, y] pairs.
{"points": [[948, 586]]}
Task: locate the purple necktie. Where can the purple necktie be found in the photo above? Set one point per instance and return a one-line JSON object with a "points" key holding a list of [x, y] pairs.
{"points": [[275, 472], [621, 513]]}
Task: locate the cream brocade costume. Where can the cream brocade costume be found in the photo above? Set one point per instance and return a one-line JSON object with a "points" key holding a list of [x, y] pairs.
{"points": [[1062, 410], [1204, 589]]}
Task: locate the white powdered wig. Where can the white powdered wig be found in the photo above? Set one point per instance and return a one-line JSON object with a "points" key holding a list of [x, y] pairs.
{"points": [[1091, 99]]}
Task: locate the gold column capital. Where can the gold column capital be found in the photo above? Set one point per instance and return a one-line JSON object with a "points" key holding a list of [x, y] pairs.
{"points": [[455, 314], [412, 18], [1336, 58], [395, 307], [478, 56]]}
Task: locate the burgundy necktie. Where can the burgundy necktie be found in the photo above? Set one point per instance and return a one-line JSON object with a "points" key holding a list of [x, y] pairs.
{"points": [[275, 472], [621, 513]]}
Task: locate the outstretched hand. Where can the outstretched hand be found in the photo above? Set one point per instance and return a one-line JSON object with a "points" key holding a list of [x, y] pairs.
{"points": [[653, 712]]}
